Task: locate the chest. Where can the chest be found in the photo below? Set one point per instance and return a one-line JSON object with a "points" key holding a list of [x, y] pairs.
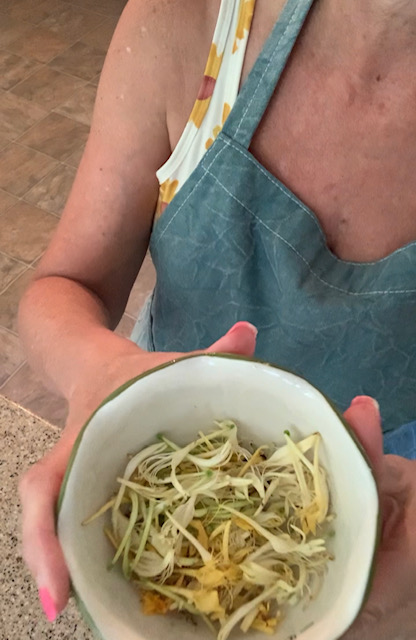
{"points": [[351, 161], [347, 150]]}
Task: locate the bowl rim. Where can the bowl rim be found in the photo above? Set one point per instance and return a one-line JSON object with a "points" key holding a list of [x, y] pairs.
{"points": [[228, 356]]}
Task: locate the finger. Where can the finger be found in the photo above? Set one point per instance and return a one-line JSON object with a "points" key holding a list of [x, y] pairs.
{"points": [[240, 339], [39, 490], [364, 417]]}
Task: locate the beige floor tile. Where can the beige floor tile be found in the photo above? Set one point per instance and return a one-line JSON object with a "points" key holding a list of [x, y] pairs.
{"points": [[11, 354], [3, 141], [30, 11], [47, 87], [106, 7], [100, 38], [26, 231], [75, 158], [22, 168], [125, 326], [142, 287], [80, 60], [40, 44], [51, 193], [17, 115], [57, 136], [6, 201], [6, 5], [10, 269], [9, 300], [26, 389], [80, 106], [14, 69], [72, 22], [10, 30]]}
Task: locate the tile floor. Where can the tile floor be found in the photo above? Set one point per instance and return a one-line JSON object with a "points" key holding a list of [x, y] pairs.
{"points": [[51, 54]]}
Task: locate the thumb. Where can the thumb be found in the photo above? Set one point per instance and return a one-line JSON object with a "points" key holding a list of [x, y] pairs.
{"points": [[364, 417], [240, 339]]}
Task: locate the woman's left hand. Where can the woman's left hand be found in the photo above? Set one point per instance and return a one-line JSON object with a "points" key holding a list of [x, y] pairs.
{"points": [[390, 612]]}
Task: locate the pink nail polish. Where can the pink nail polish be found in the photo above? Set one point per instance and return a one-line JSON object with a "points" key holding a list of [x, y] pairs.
{"points": [[365, 400], [248, 325], [48, 604]]}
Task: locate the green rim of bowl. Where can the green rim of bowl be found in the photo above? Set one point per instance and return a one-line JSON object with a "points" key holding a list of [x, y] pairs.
{"points": [[80, 603]]}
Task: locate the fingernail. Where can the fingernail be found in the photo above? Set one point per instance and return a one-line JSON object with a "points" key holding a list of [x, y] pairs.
{"points": [[248, 325], [48, 604], [365, 400]]}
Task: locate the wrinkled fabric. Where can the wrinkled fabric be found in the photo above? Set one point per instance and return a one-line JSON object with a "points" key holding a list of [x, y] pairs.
{"points": [[236, 244], [402, 441]]}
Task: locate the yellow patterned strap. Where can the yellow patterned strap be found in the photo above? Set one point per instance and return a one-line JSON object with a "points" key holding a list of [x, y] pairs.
{"points": [[214, 62], [171, 185], [244, 21], [225, 113], [167, 192], [207, 87]]}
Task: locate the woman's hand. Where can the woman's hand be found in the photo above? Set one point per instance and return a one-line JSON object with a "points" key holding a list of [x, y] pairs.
{"points": [[40, 486], [390, 612]]}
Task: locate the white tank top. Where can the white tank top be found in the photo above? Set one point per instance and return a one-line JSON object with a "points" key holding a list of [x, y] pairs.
{"points": [[216, 97]]}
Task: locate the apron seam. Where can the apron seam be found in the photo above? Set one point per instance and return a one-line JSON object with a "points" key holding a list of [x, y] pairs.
{"points": [[296, 11], [246, 154], [328, 284], [206, 170]]}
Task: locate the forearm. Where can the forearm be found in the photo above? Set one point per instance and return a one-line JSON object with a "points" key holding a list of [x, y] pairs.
{"points": [[65, 330]]}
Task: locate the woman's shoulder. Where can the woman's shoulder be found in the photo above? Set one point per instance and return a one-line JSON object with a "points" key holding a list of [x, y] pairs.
{"points": [[175, 20], [170, 33]]}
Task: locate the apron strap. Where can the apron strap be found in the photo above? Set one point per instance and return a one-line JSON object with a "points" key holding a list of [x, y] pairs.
{"points": [[257, 91]]}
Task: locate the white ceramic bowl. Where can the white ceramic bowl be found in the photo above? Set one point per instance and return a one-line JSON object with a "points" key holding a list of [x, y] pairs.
{"points": [[179, 399]]}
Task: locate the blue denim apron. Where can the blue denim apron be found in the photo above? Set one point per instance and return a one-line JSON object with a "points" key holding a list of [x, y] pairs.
{"points": [[236, 244]]}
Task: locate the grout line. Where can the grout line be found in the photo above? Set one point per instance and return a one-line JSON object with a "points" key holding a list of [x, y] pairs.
{"points": [[6, 255], [39, 181], [9, 194], [69, 75], [15, 372], [25, 146], [49, 173], [32, 264], [71, 166], [15, 279], [46, 66], [37, 206], [79, 5], [7, 330], [29, 75], [85, 9], [20, 135], [25, 22]]}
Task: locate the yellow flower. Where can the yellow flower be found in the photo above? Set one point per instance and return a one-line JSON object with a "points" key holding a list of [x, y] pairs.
{"points": [[199, 111], [213, 65], [167, 192], [244, 20], [225, 113]]}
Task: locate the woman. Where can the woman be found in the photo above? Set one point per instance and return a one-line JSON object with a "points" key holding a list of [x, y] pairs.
{"points": [[299, 217]]}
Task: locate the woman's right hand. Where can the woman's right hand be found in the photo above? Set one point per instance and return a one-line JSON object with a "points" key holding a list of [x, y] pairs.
{"points": [[40, 485]]}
